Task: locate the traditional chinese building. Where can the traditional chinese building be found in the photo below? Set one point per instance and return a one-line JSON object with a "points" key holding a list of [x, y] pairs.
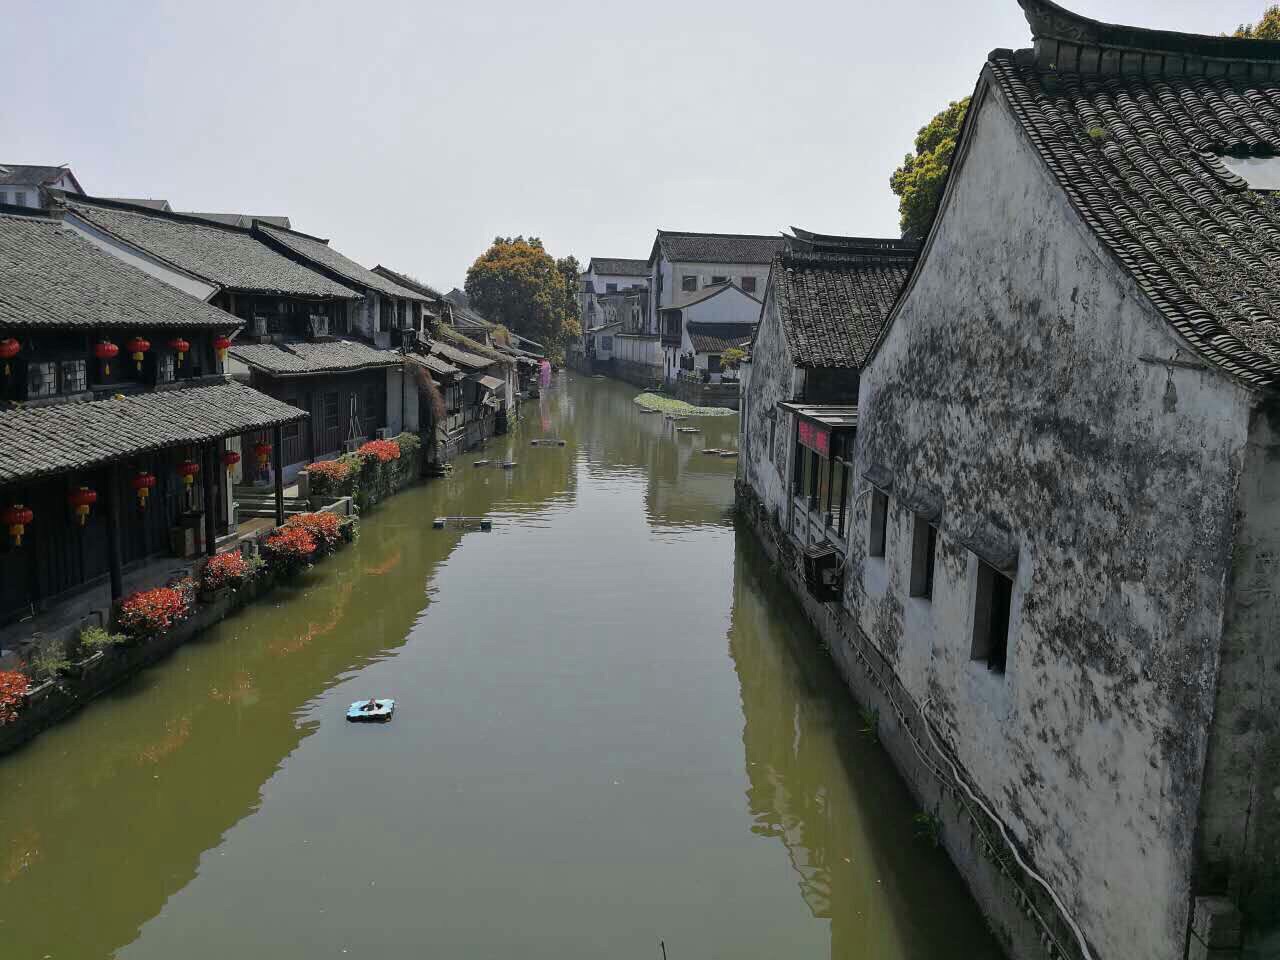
{"points": [[1057, 579], [117, 422]]}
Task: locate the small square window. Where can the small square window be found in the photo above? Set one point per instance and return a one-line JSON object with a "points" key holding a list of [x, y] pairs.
{"points": [[991, 617], [689, 283], [879, 520], [610, 288], [748, 284], [165, 367], [715, 280], [42, 379], [74, 376], [924, 548]]}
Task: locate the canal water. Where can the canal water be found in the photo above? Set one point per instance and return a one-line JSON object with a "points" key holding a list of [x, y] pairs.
{"points": [[613, 729]]}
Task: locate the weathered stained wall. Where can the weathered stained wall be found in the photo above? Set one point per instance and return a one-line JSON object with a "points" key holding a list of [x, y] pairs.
{"points": [[1240, 815], [772, 381], [1010, 389]]}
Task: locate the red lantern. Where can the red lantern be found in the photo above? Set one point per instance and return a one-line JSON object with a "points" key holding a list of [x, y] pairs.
{"points": [[17, 518], [181, 346], [137, 347], [222, 344], [9, 349], [230, 459], [82, 498], [188, 469], [105, 351], [142, 483], [263, 450]]}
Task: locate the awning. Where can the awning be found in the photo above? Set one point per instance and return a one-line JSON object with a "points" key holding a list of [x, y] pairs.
{"points": [[42, 441], [817, 423], [436, 365], [491, 383], [306, 358], [462, 358]]}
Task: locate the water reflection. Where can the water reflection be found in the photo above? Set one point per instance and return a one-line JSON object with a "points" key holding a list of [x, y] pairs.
{"points": [[567, 783]]}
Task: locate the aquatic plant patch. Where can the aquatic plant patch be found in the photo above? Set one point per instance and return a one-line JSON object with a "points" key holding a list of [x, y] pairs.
{"points": [[655, 401], [150, 612], [13, 690]]}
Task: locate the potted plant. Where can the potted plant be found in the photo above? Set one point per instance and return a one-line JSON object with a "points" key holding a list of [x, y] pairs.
{"points": [[93, 643], [288, 550], [13, 694], [149, 613], [222, 573]]}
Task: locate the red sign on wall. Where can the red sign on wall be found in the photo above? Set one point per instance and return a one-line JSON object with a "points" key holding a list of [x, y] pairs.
{"points": [[815, 437]]}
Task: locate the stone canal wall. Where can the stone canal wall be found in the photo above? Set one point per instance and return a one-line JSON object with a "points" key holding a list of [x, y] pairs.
{"points": [[1021, 914]]}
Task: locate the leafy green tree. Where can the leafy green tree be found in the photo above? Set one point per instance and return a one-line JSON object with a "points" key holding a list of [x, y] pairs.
{"points": [[518, 284], [919, 181], [571, 274], [1268, 28]]}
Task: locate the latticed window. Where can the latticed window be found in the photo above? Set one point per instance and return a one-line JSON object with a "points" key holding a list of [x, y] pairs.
{"points": [[42, 379], [165, 368], [74, 376]]}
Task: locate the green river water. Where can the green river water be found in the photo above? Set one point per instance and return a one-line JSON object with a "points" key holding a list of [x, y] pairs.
{"points": [[612, 729]]}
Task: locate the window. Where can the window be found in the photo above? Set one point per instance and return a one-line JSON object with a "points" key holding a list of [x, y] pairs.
{"points": [[20, 198], [165, 367], [289, 431], [715, 280], [749, 284], [4, 196], [991, 617], [773, 433], [331, 411], [610, 288], [924, 547], [713, 363], [606, 343], [689, 283], [879, 520], [75, 376], [42, 380]]}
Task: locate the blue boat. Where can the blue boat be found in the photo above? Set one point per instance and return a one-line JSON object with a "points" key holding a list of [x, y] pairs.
{"points": [[371, 711]]}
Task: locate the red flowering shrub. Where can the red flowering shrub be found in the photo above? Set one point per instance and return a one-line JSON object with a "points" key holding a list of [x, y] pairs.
{"points": [[149, 612], [13, 688], [224, 570], [329, 476], [289, 548], [384, 451], [325, 528]]}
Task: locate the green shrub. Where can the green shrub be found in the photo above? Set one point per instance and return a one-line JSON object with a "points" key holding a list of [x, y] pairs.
{"points": [[48, 660], [94, 639]]}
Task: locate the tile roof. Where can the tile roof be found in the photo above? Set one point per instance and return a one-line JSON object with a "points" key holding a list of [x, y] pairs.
{"points": [[462, 358], [142, 202], [713, 290], [404, 280], [40, 441], [302, 358], [29, 175], [832, 307], [319, 252], [52, 277], [1138, 157], [232, 258], [717, 247], [619, 267], [434, 364], [719, 337], [238, 219]]}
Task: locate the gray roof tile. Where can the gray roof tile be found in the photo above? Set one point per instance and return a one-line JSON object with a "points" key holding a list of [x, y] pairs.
{"points": [[719, 337], [718, 247], [319, 252], [619, 267], [227, 256], [52, 277], [330, 356], [41, 441]]}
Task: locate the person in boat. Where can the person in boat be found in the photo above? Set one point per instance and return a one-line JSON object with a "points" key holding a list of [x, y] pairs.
{"points": [[370, 705]]}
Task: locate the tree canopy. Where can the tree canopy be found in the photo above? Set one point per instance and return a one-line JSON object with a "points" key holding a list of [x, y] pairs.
{"points": [[518, 284], [919, 181], [1268, 28]]}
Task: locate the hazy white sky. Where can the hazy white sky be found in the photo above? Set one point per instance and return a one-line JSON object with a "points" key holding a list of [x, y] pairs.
{"points": [[412, 133]]}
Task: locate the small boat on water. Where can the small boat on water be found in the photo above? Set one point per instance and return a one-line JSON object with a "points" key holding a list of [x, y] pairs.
{"points": [[371, 711]]}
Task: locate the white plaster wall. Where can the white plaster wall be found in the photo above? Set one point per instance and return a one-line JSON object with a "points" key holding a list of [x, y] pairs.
{"points": [[705, 271], [770, 381], [638, 350], [732, 306], [1011, 384]]}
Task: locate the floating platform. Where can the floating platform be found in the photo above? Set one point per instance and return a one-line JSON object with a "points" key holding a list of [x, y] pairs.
{"points": [[546, 442], [687, 430], [462, 523], [482, 463], [716, 452], [371, 711]]}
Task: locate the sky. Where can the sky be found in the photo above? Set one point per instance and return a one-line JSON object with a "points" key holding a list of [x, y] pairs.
{"points": [[411, 134]]}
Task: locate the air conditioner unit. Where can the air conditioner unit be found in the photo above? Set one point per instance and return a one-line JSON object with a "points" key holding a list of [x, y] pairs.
{"points": [[350, 446], [382, 433], [259, 325], [319, 325]]}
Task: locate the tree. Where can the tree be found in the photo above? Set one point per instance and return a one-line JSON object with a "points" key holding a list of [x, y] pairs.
{"points": [[1268, 28], [919, 181], [571, 273], [517, 283]]}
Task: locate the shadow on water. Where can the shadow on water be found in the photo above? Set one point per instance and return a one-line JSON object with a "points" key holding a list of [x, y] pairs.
{"points": [[565, 779]]}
